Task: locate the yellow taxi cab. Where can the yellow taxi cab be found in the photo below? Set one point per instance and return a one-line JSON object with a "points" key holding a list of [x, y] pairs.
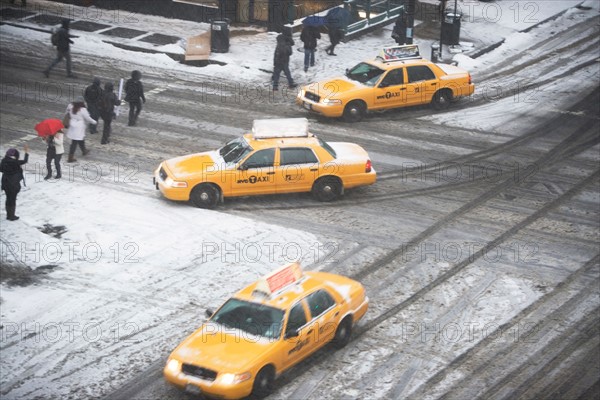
{"points": [[398, 77], [265, 329], [278, 156]]}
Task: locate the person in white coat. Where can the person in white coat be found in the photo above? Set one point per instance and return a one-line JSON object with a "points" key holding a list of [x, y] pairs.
{"points": [[79, 120], [54, 152]]}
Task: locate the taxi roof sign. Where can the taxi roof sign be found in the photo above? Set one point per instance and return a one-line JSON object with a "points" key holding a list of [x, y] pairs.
{"points": [[280, 127], [399, 53], [279, 279]]}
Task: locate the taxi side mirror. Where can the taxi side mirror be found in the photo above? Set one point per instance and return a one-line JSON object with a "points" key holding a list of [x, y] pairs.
{"points": [[292, 334], [209, 313], [243, 167]]}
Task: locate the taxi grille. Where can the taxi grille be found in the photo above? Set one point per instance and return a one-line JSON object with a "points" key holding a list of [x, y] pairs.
{"points": [[162, 173], [199, 372], [312, 96]]}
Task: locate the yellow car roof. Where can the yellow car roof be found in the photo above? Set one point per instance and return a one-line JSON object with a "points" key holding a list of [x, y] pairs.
{"points": [[395, 64], [281, 141], [285, 286]]}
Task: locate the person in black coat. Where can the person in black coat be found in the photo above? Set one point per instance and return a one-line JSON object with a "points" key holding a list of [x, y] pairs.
{"points": [[107, 110], [309, 36], [134, 95], [92, 97], [281, 60], [399, 31], [63, 49], [12, 175]]}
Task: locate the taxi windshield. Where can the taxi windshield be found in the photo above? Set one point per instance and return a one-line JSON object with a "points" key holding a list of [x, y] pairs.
{"points": [[365, 73], [256, 319], [235, 150]]}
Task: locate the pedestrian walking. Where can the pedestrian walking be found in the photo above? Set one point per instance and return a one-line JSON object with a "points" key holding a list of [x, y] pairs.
{"points": [[54, 152], [12, 175], [309, 36], [399, 31], [63, 49], [92, 97], [79, 118], [107, 110], [336, 34], [281, 60], [134, 95]]}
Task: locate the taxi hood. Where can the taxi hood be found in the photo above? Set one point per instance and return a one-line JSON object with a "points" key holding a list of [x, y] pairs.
{"points": [[192, 164], [329, 88], [222, 349]]}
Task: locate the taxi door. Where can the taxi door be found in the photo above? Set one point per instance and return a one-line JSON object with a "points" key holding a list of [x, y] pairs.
{"points": [[391, 91], [298, 341], [422, 84], [255, 175], [297, 170]]}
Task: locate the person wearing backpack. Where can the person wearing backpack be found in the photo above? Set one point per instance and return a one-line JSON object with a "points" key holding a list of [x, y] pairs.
{"points": [[134, 95], [62, 40], [107, 110]]}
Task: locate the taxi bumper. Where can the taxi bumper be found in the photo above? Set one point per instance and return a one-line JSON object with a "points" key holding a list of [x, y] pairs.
{"points": [[197, 386], [328, 110]]}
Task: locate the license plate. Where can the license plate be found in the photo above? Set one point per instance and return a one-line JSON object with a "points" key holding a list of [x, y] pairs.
{"points": [[308, 106], [192, 389]]}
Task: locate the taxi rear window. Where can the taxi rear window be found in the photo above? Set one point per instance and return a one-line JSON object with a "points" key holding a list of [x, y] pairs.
{"points": [[327, 147]]}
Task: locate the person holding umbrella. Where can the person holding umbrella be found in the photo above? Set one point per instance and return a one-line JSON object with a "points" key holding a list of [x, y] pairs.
{"points": [[12, 175], [309, 36], [50, 130]]}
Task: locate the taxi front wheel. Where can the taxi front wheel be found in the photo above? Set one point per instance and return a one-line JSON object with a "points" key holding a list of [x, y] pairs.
{"points": [[205, 196], [263, 383], [342, 334], [354, 111]]}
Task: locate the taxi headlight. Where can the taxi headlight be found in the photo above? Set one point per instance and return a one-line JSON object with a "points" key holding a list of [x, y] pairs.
{"points": [[175, 184], [173, 366], [331, 102], [232, 379]]}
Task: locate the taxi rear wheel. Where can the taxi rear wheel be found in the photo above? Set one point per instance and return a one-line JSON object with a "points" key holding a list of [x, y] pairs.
{"points": [[354, 111], [342, 334], [441, 99], [327, 189], [263, 383], [205, 196]]}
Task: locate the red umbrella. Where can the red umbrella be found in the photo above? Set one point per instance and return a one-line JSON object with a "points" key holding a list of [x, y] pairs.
{"points": [[49, 127]]}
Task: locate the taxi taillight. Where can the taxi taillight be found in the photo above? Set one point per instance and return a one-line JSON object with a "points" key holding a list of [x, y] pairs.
{"points": [[368, 166], [470, 81]]}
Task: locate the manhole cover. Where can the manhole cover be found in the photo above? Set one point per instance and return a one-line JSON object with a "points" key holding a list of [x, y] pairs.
{"points": [[88, 26], [123, 32], [160, 39]]}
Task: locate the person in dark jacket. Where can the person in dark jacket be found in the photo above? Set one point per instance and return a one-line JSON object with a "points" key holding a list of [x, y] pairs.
{"points": [[281, 60], [107, 110], [63, 49], [12, 175], [399, 31], [309, 36], [134, 95], [336, 34], [92, 97]]}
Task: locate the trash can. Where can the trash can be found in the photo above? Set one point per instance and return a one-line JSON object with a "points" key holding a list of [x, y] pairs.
{"points": [[219, 36], [451, 27]]}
